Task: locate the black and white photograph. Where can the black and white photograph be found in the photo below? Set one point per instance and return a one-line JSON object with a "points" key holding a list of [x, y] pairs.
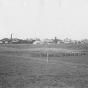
{"points": [[43, 43]]}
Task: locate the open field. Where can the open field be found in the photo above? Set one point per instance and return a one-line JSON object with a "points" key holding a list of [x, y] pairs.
{"points": [[19, 70]]}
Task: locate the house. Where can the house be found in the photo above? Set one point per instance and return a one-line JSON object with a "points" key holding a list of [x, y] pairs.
{"points": [[39, 42], [36, 42], [45, 41], [60, 41], [85, 41], [6, 42], [1, 41], [67, 40], [15, 41], [75, 41], [48, 41], [42, 42]]}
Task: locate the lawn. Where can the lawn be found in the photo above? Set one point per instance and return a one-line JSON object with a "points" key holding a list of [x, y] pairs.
{"points": [[19, 70]]}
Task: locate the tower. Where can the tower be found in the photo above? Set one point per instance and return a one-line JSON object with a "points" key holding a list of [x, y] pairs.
{"points": [[11, 38]]}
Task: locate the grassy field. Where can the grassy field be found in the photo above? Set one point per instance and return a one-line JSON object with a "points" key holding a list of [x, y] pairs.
{"points": [[19, 70]]}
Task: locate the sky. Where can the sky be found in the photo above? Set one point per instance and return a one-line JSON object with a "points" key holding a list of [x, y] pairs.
{"points": [[44, 19]]}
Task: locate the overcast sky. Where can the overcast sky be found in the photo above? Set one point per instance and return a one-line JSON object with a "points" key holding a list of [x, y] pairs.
{"points": [[44, 19]]}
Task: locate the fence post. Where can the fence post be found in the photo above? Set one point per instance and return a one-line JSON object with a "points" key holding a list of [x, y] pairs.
{"points": [[40, 55], [54, 55], [47, 57]]}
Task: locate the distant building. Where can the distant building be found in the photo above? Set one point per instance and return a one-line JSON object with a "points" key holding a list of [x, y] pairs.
{"points": [[55, 40], [5, 40], [75, 41], [42, 42], [45, 41], [67, 40], [15, 40], [60, 41], [36, 42], [1, 41], [85, 41], [49, 41]]}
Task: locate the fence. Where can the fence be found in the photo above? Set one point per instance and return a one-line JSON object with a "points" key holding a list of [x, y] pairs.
{"points": [[56, 54]]}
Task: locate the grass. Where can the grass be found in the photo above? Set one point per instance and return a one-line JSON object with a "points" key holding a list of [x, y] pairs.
{"points": [[19, 70]]}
